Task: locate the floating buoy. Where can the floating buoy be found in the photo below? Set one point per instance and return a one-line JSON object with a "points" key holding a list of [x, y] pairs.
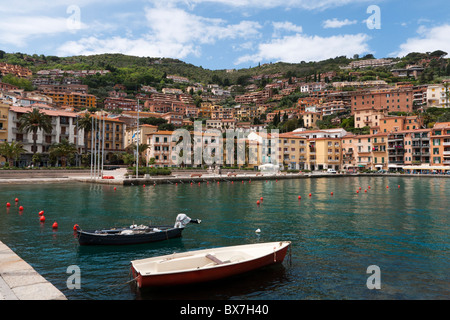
{"points": [[242, 181], [17, 199], [257, 202], [191, 183], [218, 182], [41, 212], [387, 187], [357, 191], [232, 182], [20, 208], [42, 219], [310, 194], [365, 190], [144, 186], [55, 225], [369, 187], [299, 197], [331, 192], [176, 183], [8, 204], [258, 230], [114, 188], [262, 199], [75, 227], [399, 186]]}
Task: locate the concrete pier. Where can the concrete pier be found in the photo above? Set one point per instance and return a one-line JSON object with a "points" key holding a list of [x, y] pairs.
{"points": [[19, 281]]}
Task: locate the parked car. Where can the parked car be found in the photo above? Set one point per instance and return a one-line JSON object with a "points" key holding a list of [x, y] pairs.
{"points": [[331, 171], [382, 171]]}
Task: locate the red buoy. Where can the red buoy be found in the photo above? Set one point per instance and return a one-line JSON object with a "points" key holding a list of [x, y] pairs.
{"points": [[21, 208], [357, 191], [8, 204], [55, 225], [41, 212], [310, 194], [42, 219], [17, 199], [299, 197], [75, 227], [262, 199], [114, 188], [144, 185], [387, 187], [331, 192], [257, 202], [365, 190], [399, 186]]}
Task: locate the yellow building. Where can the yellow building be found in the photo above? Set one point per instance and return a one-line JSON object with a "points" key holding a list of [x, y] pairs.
{"points": [[323, 153], [73, 99], [310, 119], [144, 130], [292, 151], [4, 109]]}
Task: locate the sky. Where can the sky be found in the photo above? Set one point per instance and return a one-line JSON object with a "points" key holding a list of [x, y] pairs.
{"points": [[225, 34]]}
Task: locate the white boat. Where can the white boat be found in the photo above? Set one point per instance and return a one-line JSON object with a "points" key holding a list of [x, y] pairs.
{"points": [[206, 265]]}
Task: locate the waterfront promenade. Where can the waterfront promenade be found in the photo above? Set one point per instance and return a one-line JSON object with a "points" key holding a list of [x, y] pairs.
{"points": [[19, 281]]}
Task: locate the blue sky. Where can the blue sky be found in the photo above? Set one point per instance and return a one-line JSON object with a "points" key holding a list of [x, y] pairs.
{"points": [[226, 34]]}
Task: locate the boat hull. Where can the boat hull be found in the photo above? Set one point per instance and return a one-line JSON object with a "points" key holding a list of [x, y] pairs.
{"points": [[209, 274], [91, 238]]}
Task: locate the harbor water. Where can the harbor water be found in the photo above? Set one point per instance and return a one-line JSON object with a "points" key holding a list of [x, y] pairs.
{"points": [[399, 224]]}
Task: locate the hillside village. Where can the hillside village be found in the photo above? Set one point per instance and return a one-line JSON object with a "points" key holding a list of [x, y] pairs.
{"points": [[364, 114]]}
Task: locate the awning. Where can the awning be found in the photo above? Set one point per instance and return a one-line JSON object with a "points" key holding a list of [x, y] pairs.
{"points": [[426, 167]]}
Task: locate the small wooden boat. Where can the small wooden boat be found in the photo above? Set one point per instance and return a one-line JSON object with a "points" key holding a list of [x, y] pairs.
{"points": [[134, 234], [206, 265]]}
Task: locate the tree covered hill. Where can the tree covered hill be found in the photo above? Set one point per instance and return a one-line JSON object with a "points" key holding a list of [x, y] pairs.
{"points": [[133, 71]]}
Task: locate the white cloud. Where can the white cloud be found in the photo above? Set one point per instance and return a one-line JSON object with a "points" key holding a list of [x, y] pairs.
{"points": [[335, 23], [17, 30], [428, 40], [285, 26], [297, 48], [172, 32], [269, 4]]}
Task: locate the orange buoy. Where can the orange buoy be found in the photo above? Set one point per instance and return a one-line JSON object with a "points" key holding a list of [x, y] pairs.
{"points": [[8, 204], [21, 208], [55, 225], [42, 219], [41, 212]]}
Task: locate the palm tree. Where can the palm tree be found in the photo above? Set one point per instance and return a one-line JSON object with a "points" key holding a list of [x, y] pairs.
{"points": [[11, 151], [142, 148], [33, 121], [85, 123], [63, 150]]}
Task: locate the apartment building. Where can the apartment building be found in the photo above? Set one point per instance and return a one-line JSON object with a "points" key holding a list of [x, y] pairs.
{"points": [[438, 96], [364, 152], [368, 117], [310, 119], [4, 110], [221, 124], [75, 100], [292, 151], [131, 133], [112, 103], [440, 144], [391, 100], [323, 153], [64, 127], [114, 130]]}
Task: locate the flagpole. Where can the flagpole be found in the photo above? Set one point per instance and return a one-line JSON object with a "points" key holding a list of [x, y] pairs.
{"points": [[92, 143], [137, 141]]}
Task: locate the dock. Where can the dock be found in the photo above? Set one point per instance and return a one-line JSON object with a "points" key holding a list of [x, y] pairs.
{"points": [[19, 281]]}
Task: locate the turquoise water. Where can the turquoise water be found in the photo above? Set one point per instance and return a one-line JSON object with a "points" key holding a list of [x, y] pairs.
{"points": [[335, 238]]}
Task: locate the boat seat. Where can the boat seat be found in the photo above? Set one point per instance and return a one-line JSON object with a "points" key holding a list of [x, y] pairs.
{"points": [[215, 259]]}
